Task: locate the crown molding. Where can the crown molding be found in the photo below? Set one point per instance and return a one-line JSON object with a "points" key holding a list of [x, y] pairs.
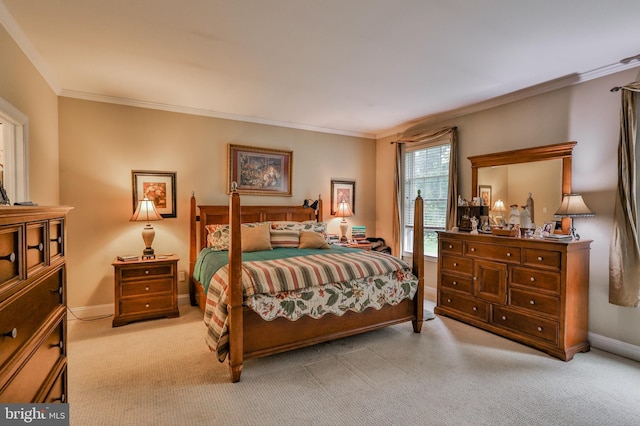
{"points": [[518, 95], [21, 39]]}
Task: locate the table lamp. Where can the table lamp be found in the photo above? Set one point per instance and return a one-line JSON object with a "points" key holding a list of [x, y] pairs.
{"points": [[573, 206], [499, 209], [146, 212], [344, 210]]}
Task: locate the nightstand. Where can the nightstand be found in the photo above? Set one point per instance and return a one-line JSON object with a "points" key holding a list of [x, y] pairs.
{"points": [[145, 289], [363, 246]]}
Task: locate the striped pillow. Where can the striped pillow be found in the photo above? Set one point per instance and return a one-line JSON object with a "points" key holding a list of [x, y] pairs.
{"points": [[289, 238]]}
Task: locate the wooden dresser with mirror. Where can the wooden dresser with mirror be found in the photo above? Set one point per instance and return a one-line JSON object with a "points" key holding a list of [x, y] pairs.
{"points": [[530, 290], [33, 340]]}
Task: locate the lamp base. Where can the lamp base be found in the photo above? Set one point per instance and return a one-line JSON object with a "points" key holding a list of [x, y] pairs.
{"points": [[343, 230]]}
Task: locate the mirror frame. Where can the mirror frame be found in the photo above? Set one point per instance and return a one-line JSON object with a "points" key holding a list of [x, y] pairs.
{"points": [[562, 151]]}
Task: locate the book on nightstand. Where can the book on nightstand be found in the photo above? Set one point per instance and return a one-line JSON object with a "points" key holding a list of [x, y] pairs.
{"points": [[127, 258]]}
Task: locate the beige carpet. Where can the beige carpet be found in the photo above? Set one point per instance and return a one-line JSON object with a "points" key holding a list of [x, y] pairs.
{"points": [[161, 373]]}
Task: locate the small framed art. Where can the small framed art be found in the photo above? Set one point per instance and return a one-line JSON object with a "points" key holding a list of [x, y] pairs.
{"points": [[157, 186], [343, 190], [259, 171], [484, 191]]}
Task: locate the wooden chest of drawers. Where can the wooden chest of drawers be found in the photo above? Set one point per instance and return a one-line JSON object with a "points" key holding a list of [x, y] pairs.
{"points": [[529, 290], [33, 340], [145, 289]]}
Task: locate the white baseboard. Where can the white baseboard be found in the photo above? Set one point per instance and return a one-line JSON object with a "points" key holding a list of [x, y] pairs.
{"points": [[96, 311], [614, 346]]}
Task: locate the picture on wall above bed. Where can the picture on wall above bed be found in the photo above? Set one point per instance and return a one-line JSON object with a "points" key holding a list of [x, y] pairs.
{"points": [[160, 187], [343, 190], [259, 171]]}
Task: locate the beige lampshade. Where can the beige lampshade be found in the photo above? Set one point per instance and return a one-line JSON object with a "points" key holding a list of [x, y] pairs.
{"points": [[499, 207], [573, 206], [146, 212], [344, 210]]}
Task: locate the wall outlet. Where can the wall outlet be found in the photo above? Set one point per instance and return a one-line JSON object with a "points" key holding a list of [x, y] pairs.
{"points": [[182, 275]]}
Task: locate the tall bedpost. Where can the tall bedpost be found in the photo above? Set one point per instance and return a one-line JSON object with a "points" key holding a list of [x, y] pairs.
{"points": [[235, 293], [319, 213], [193, 252], [418, 261]]}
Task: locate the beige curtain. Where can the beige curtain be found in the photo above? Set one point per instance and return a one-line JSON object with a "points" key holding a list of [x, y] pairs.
{"points": [[409, 137], [624, 254]]}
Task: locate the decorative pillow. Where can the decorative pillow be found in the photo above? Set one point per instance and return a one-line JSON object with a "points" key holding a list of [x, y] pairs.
{"points": [[309, 225], [255, 238], [285, 238], [311, 239], [218, 235]]}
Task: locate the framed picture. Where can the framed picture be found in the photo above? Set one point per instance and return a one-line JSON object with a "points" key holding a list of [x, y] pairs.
{"points": [[484, 191], [343, 190], [259, 171], [549, 227], [157, 186]]}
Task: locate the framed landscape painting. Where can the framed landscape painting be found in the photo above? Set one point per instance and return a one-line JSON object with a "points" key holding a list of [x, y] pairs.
{"points": [[259, 171]]}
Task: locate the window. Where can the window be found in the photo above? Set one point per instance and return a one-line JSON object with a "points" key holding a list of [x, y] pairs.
{"points": [[426, 168]]}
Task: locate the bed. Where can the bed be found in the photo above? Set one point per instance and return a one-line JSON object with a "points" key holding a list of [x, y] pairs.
{"points": [[247, 334]]}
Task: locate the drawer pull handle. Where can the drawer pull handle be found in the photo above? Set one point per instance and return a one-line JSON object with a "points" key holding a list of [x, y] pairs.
{"points": [[455, 264], [13, 333], [147, 288], [448, 300], [450, 246], [475, 308], [532, 279], [532, 302], [62, 398], [57, 240], [454, 283], [11, 257], [508, 254], [539, 328], [56, 290], [473, 249], [504, 318], [146, 272], [39, 247], [146, 305], [58, 345], [540, 258]]}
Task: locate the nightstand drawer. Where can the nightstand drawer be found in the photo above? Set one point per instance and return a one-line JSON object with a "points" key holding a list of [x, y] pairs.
{"points": [[143, 305], [137, 272], [138, 288]]}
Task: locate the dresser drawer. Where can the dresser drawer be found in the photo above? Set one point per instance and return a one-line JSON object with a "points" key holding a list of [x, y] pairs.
{"points": [[534, 326], [502, 253], [25, 385], [36, 245], [460, 265], [464, 304], [450, 246], [24, 312], [464, 284], [10, 258], [542, 259], [137, 272], [542, 280], [56, 239], [140, 305], [535, 302], [58, 391], [151, 286]]}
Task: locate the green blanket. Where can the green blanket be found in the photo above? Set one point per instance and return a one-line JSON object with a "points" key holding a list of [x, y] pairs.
{"points": [[209, 261]]}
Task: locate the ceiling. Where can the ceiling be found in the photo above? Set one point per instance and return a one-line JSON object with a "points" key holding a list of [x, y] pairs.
{"points": [[357, 67]]}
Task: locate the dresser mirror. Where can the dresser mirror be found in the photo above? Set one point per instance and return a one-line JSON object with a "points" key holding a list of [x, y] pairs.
{"points": [[510, 176]]}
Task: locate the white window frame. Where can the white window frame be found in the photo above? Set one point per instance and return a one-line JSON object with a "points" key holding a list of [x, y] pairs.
{"points": [[406, 237], [15, 131]]}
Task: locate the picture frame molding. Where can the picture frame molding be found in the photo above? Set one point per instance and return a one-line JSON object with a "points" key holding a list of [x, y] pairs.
{"points": [[234, 171], [337, 185], [168, 208]]}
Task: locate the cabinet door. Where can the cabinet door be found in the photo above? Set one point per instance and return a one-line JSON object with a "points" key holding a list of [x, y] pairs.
{"points": [[490, 281]]}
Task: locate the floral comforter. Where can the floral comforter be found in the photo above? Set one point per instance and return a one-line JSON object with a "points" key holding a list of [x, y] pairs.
{"points": [[312, 285]]}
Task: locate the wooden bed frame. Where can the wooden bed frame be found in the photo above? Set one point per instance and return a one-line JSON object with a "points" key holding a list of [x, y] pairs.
{"points": [[249, 335]]}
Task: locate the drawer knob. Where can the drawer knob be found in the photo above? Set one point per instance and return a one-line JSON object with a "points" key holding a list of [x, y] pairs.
{"points": [[540, 258], [450, 246], [504, 318], [60, 345], [13, 333], [455, 264], [62, 398], [147, 305], [11, 257], [57, 290], [539, 328], [147, 288], [532, 302], [448, 300], [508, 254], [532, 279], [454, 283], [473, 249], [146, 272], [39, 247], [475, 308]]}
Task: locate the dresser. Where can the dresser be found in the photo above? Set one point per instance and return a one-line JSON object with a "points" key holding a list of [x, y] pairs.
{"points": [[533, 291], [145, 289], [33, 332]]}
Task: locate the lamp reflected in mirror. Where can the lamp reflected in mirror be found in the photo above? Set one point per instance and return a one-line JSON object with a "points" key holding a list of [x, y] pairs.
{"points": [[573, 206], [499, 210]]}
